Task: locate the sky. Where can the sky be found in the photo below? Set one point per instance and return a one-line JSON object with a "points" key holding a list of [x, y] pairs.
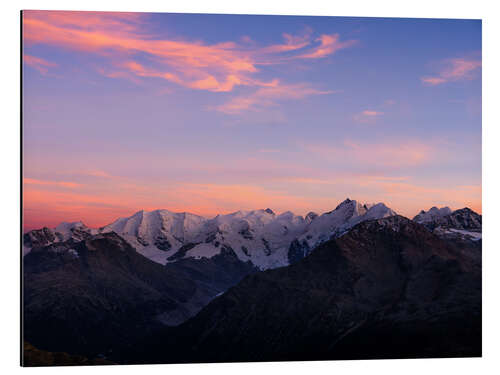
{"points": [[212, 114]]}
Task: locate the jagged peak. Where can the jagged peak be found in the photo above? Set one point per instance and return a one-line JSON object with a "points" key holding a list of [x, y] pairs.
{"points": [[311, 215], [380, 205], [437, 209], [139, 213], [466, 209], [286, 214], [345, 202], [269, 211], [69, 226], [393, 222], [432, 213], [395, 219]]}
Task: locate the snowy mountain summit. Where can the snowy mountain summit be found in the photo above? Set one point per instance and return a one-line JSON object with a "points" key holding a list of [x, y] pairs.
{"points": [[262, 237], [463, 223], [76, 231], [433, 214]]}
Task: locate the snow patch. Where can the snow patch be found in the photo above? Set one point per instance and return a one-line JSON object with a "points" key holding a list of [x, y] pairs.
{"points": [[203, 250], [476, 236]]}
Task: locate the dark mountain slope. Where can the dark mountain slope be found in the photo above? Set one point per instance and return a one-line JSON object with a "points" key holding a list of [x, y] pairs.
{"points": [[94, 296], [35, 357], [387, 289], [212, 276]]}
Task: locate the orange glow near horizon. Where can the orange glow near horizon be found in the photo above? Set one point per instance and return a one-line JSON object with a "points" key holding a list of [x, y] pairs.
{"points": [[211, 114], [50, 208]]}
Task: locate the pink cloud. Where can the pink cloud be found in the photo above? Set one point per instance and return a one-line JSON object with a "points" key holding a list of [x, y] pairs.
{"points": [[49, 208], [367, 116], [433, 80], [268, 96], [402, 153], [329, 44], [372, 113], [253, 183], [97, 208], [98, 173], [66, 184], [38, 63], [454, 70], [120, 36], [292, 43]]}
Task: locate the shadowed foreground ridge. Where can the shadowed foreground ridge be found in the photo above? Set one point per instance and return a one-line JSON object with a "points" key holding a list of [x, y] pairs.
{"points": [[389, 288], [94, 296], [35, 357]]}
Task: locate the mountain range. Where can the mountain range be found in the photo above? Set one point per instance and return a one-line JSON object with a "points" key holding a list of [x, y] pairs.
{"points": [[259, 236], [252, 285], [387, 289]]}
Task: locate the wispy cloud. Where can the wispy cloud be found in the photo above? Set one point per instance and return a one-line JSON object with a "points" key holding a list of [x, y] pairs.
{"points": [[49, 207], [38, 63], [343, 178], [401, 153], [268, 96], [123, 37], [291, 43], [66, 184], [367, 116], [403, 193], [98, 173], [269, 150], [454, 70], [329, 44], [433, 81], [370, 113]]}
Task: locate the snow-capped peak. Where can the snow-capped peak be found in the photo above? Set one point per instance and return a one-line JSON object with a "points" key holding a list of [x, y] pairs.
{"points": [[345, 202], [259, 236], [66, 228], [463, 223], [345, 216], [269, 211], [431, 215], [311, 216], [65, 231]]}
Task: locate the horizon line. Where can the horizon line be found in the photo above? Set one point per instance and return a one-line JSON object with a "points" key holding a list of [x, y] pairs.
{"points": [[276, 213]]}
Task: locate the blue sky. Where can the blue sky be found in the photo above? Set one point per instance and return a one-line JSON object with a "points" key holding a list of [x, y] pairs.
{"points": [[215, 113]]}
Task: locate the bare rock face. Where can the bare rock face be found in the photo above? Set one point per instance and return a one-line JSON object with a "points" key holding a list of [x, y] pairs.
{"points": [[465, 219], [65, 231], [39, 237], [388, 288]]}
